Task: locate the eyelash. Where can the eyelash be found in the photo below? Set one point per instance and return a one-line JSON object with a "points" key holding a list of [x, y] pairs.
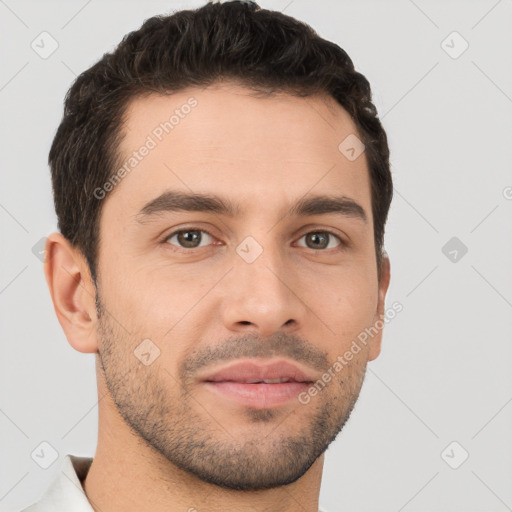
{"points": [[340, 246]]}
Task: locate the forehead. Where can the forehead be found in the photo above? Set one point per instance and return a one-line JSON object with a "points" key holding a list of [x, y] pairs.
{"points": [[225, 141]]}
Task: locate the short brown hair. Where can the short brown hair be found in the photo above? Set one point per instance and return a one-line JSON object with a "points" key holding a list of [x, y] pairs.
{"points": [[264, 50]]}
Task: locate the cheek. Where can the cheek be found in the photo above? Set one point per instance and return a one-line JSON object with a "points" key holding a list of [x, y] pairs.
{"points": [[348, 306], [160, 301]]}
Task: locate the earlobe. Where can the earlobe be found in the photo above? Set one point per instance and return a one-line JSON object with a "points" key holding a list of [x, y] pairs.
{"points": [[72, 292], [378, 322]]}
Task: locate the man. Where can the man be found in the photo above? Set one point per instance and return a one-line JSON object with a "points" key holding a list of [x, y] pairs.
{"points": [[222, 184]]}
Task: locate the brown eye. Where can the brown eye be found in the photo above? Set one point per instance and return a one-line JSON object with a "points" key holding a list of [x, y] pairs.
{"points": [[188, 238], [321, 240]]}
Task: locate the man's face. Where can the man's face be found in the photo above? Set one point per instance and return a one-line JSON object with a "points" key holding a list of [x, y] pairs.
{"points": [[258, 285]]}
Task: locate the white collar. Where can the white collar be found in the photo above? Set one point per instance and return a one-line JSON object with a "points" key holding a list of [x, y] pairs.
{"points": [[66, 492]]}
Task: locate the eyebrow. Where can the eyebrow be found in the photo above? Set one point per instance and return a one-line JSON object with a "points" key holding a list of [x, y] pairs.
{"points": [[175, 201]]}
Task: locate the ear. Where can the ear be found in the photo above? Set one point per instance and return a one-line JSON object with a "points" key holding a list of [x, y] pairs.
{"points": [[72, 291], [385, 275]]}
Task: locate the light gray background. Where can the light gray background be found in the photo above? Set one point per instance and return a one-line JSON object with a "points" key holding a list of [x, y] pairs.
{"points": [[444, 372]]}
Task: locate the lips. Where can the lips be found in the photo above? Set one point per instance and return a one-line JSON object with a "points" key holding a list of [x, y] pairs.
{"points": [[249, 372]]}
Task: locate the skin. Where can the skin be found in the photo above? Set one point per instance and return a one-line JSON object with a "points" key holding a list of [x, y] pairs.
{"points": [[163, 438]]}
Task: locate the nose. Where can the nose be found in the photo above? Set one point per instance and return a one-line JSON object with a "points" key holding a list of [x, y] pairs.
{"points": [[262, 296]]}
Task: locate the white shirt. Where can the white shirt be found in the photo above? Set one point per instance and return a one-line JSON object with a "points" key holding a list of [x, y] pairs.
{"points": [[66, 493]]}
